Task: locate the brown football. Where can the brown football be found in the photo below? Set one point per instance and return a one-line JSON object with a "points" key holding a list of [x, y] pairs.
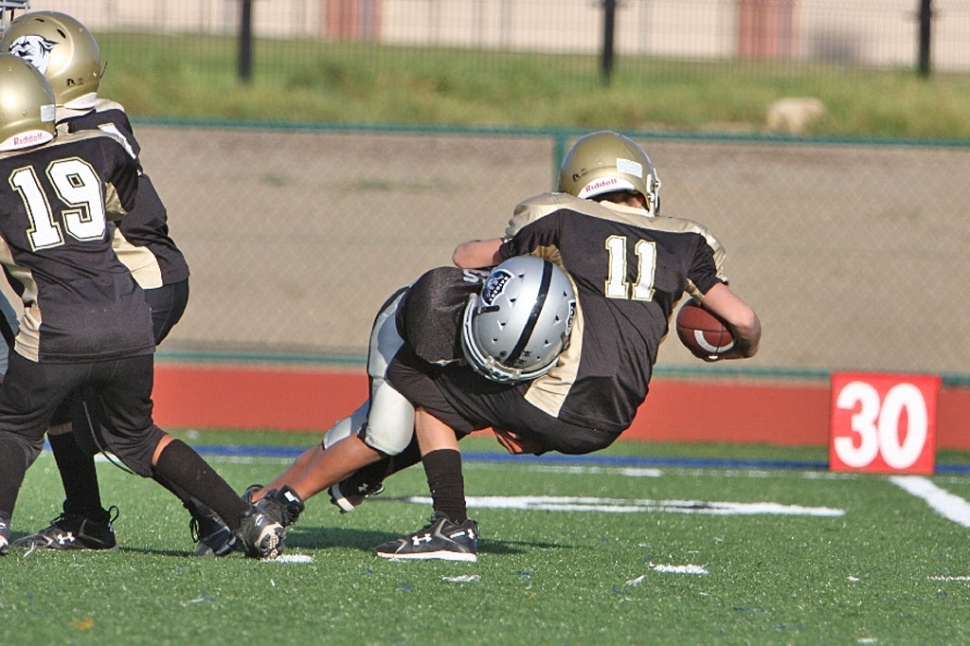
{"points": [[703, 332]]}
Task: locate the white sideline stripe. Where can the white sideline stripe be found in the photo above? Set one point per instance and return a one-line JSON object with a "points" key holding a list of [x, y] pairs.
{"points": [[948, 505], [623, 506], [950, 578]]}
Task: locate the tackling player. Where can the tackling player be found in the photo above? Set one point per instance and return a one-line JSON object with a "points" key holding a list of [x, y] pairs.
{"points": [[441, 319], [633, 266]]}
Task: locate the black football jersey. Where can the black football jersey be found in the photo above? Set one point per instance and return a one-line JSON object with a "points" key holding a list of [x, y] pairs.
{"points": [[142, 238], [80, 302], [629, 271], [429, 317]]}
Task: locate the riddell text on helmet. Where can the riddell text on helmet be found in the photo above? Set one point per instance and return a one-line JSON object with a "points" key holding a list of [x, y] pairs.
{"points": [[595, 186], [29, 138]]}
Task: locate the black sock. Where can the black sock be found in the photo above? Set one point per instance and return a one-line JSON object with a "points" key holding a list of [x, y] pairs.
{"points": [[193, 506], [79, 477], [447, 485], [408, 457], [13, 467], [185, 469]]}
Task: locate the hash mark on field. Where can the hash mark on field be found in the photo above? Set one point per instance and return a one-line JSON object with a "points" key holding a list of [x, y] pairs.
{"points": [[946, 504], [290, 558], [950, 578], [629, 472], [679, 569]]}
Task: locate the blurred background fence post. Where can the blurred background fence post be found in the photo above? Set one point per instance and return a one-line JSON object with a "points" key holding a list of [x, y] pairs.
{"points": [[246, 41]]}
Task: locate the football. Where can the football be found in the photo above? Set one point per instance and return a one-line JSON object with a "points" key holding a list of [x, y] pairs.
{"points": [[703, 332]]}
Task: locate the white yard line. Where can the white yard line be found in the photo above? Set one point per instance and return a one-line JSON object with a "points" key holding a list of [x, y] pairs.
{"points": [[625, 506], [946, 504]]}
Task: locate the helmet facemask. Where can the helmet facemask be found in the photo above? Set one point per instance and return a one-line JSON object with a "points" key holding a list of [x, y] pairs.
{"points": [[8, 9]]}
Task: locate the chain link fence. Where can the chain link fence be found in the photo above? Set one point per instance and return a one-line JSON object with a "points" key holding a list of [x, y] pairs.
{"points": [[853, 255]]}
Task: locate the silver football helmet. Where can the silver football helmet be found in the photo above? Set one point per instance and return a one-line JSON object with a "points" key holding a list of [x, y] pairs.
{"points": [[604, 162], [63, 49], [27, 109], [516, 329]]}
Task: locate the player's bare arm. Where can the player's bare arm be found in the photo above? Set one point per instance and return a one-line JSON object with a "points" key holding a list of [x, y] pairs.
{"points": [[477, 254], [739, 315]]}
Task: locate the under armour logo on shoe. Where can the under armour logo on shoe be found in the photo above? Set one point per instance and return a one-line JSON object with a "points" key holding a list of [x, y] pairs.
{"points": [[417, 540]]}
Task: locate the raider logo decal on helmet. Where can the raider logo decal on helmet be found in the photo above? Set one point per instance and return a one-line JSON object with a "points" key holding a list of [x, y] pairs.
{"points": [[569, 320], [494, 286], [34, 49]]}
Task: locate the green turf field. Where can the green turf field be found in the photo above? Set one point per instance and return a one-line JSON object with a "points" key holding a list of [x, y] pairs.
{"points": [[646, 545]]}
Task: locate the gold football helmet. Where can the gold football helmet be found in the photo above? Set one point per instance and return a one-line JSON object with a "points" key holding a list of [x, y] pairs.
{"points": [[62, 49], [27, 109], [604, 162]]}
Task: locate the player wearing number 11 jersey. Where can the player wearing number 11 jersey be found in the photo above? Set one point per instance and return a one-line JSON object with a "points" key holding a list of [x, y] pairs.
{"points": [[630, 267]]}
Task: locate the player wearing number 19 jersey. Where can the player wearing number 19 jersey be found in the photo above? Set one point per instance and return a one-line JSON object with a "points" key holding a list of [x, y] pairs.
{"points": [[66, 52], [86, 323], [80, 302]]}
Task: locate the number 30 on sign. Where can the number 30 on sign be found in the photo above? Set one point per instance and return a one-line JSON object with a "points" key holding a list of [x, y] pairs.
{"points": [[883, 423]]}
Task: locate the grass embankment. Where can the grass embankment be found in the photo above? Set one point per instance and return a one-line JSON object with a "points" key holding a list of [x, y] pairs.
{"points": [[314, 81]]}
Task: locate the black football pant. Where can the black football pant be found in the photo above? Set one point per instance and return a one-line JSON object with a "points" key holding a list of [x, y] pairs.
{"points": [[32, 391]]}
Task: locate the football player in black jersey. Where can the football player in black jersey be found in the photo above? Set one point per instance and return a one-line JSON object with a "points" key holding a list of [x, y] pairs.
{"points": [[631, 267], [610, 197], [426, 320], [68, 55], [85, 323]]}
